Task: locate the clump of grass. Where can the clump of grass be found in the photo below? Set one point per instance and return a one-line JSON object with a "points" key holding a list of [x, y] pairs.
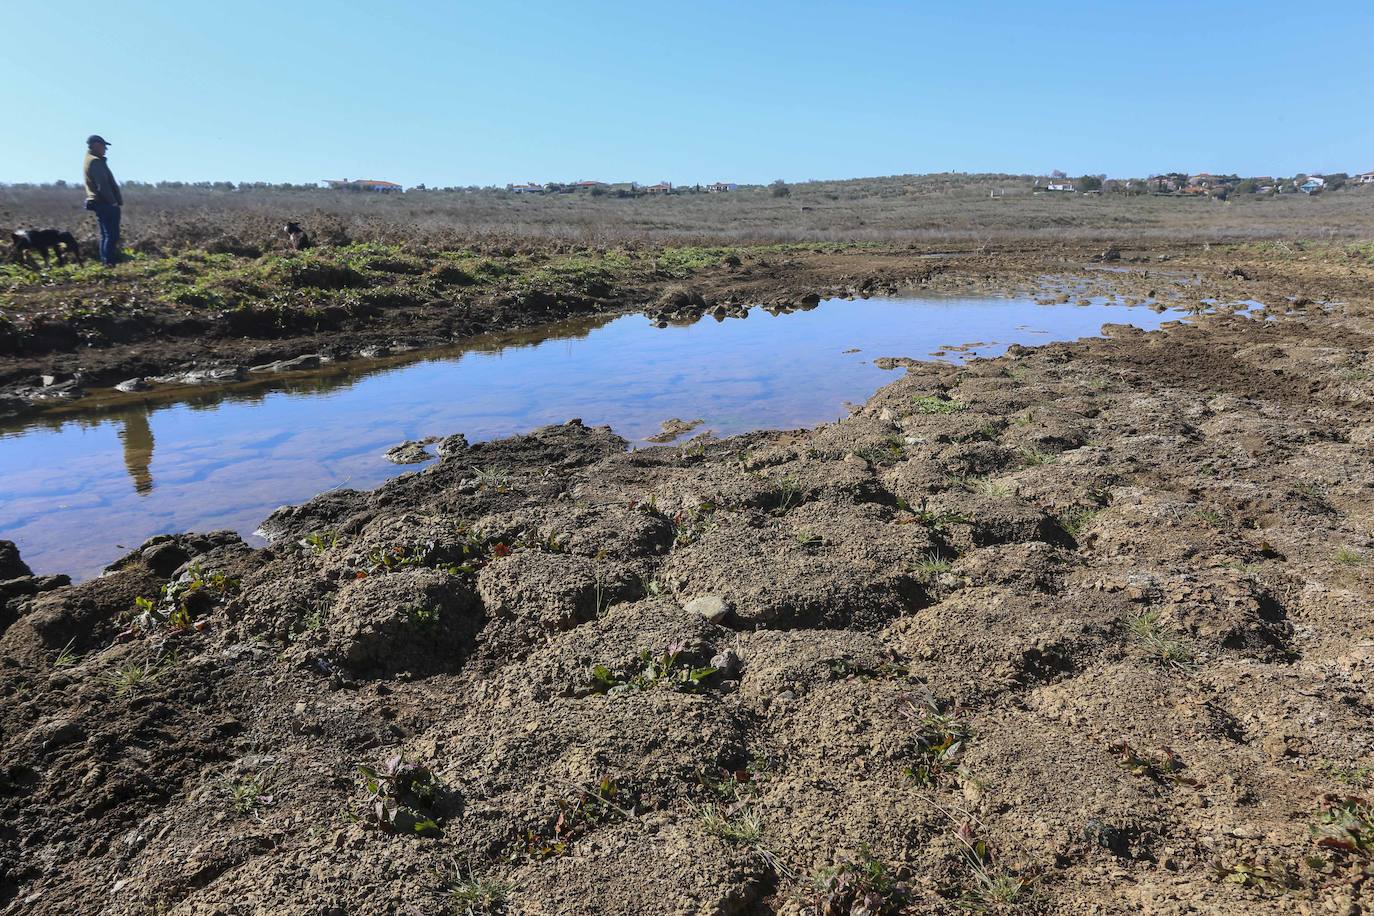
{"points": [[1347, 557], [785, 495], [320, 541], [984, 486], [808, 540], [1160, 642], [249, 792], [740, 827], [1210, 517], [66, 657], [496, 479], [132, 677], [1034, 457], [992, 888], [465, 894], [1075, 520], [932, 405], [930, 567]]}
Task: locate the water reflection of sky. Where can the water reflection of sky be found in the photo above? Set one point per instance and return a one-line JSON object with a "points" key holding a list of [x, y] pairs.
{"points": [[75, 493]]}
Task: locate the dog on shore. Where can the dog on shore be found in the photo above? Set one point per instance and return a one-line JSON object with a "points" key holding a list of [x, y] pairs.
{"points": [[296, 237], [43, 241]]}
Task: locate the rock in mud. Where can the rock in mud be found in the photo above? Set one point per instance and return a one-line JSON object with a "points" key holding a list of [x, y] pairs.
{"points": [[410, 452], [893, 362], [11, 566], [711, 607], [133, 384], [452, 445], [673, 429], [296, 364], [412, 620]]}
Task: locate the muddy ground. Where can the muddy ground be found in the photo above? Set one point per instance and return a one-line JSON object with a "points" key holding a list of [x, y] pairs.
{"points": [[1084, 629], [159, 325]]}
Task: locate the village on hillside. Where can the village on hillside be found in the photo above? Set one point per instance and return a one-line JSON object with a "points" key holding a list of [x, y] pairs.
{"points": [[1203, 184]]}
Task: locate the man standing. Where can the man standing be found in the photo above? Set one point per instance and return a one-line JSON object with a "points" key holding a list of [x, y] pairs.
{"points": [[103, 198]]}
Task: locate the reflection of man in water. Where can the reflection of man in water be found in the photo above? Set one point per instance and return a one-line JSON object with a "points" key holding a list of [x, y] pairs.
{"points": [[137, 436]]}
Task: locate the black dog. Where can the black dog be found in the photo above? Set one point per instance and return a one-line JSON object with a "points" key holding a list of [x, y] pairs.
{"points": [[296, 237], [44, 240]]}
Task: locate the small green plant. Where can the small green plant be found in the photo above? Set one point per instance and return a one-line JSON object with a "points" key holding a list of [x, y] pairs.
{"points": [[320, 541], [424, 616], [1164, 765], [939, 521], [861, 885], [1344, 823], [930, 567], [66, 657], [992, 889], [249, 792], [1348, 557], [937, 405], [396, 557], [132, 677], [690, 524], [194, 593], [738, 826], [578, 815], [808, 540], [1358, 776], [941, 737], [1075, 520], [400, 796], [785, 495], [1210, 517], [1271, 879], [1034, 457], [465, 894], [656, 670], [1160, 642], [497, 479]]}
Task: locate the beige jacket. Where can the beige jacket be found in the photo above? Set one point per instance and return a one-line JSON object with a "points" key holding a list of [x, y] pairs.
{"points": [[100, 181]]}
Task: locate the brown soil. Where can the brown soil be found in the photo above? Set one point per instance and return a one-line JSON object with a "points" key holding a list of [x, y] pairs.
{"points": [[1083, 629]]}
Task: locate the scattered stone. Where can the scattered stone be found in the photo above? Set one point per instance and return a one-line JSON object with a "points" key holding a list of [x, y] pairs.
{"points": [[452, 445], [727, 663], [673, 429], [892, 362], [711, 607], [133, 384], [410, 452]]}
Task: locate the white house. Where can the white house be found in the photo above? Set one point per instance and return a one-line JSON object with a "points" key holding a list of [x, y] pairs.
{"points": [[1060, 184], [528, 187], [1365, 178], [1312, 185]]}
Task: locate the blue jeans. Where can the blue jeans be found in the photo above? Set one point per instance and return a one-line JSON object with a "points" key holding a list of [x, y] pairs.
{"points": [[108, 214]]}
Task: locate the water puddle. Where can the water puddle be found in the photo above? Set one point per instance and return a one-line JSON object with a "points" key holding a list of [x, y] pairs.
{"points": [[77, 490]]}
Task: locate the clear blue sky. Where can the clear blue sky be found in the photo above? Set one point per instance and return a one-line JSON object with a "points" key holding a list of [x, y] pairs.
{"points": [[479, 93]]}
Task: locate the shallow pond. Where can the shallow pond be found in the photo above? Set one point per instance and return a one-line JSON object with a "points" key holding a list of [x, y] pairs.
{"points": [[80, 489]]}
